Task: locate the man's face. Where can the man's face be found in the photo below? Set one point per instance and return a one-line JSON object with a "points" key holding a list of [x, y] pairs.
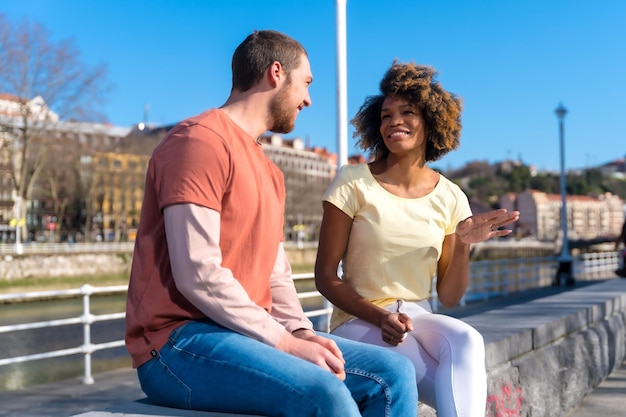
{"points": [[292, 97]]}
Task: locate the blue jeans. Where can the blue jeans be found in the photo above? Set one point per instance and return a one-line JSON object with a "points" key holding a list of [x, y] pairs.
{"points": [[205, 366]]}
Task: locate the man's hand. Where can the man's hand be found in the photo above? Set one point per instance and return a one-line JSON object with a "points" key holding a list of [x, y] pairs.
{"points": [[319, 350]]}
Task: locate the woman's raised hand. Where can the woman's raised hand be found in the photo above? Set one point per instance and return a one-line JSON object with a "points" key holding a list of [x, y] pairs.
{"points": [[483, 226]]}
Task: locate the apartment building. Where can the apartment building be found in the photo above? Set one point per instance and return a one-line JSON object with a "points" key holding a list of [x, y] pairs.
{"points": [[114, 197], [54, 156], [308, 172], [588, 217], [118, 183], [99, 171]]}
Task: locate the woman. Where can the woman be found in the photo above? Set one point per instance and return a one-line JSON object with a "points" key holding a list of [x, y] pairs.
{"points": [[394, 223]]}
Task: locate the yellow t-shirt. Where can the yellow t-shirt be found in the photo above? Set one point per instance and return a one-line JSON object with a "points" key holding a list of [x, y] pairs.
{"points": [[395, 242]]}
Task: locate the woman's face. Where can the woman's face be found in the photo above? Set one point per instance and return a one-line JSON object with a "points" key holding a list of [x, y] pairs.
{"points": [[402, 126]]}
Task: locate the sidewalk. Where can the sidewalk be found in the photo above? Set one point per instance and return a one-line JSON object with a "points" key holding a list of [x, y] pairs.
{"points": [[70, 397], [607, 400]]}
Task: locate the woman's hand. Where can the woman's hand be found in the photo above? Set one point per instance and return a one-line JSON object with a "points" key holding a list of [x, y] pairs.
{"points": [[394, 327], [483, 226]]}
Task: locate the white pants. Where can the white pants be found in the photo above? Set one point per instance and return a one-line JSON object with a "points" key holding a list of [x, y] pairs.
{"points": [[448, 354]]}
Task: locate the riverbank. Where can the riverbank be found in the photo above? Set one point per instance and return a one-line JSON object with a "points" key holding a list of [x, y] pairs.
{"points": [[63, 261], [52, 283], [32, 284]]}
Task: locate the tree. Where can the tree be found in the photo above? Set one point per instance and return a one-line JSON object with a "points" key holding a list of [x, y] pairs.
{"points": [[47, 83], [484, 183], [519, 178], [59, 183]]}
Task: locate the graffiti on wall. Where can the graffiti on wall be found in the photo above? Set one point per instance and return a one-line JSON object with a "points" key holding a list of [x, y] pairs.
{"points": [[505, 403]]}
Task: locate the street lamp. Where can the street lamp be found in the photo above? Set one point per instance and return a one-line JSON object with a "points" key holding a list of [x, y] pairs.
{"points": [[564, 274]]}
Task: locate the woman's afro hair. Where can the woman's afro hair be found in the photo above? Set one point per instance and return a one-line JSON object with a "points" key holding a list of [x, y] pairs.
{"points": [[440, 109]]}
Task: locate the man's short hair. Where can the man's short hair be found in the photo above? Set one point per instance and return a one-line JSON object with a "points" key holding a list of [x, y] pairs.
{"points": [[258, 51]]}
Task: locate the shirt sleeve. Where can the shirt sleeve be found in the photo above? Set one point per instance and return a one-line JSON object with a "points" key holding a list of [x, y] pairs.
{"points": [[193, 234], [195, 181], [341, 192], [286, 307]]}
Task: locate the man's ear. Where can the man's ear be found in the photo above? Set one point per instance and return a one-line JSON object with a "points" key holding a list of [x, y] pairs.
{"points": [[275, 74]]}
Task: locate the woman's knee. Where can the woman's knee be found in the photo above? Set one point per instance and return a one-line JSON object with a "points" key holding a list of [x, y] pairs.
{"points": [[471, 344], [475, 339]]}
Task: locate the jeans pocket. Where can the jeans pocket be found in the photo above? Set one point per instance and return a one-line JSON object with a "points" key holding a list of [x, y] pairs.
{"points": [[174, 334], [159, 382], [162, 385]]}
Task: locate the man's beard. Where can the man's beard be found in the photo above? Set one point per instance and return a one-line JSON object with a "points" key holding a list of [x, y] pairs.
{"points": [[282, 118]]}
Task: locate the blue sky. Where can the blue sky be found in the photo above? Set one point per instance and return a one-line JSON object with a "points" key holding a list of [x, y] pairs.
{"points": [[512, 62]]}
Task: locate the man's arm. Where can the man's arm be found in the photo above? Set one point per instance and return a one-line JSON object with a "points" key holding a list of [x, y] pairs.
{"points": [[193, 242], [193, 234], [286, 307]]}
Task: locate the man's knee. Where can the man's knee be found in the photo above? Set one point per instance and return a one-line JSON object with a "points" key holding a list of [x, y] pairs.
{"points": [[393, 366], [328, 396]]}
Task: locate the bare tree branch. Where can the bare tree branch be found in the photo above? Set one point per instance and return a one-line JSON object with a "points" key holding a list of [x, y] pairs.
{"points": [[48, 83]]}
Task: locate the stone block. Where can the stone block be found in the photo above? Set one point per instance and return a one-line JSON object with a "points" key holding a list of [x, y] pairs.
{"points": [[142, 408]]}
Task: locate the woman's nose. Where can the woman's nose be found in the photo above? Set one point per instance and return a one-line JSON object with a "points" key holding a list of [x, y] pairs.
{"points": [[395, 119]]}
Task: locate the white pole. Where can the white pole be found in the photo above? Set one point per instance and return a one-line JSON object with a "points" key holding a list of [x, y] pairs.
{"points": [[18, 225], [87, 290], [342, 81]]}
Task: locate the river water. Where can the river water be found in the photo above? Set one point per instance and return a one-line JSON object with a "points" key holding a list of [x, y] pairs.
{"points": [[26, 342]]}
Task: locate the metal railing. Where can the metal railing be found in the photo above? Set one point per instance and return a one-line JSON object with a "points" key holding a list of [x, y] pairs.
{"points": [[595, 265], [89, 247], [63, 248], [502, 277], [488, 279], [87, 319], [497, 278]]}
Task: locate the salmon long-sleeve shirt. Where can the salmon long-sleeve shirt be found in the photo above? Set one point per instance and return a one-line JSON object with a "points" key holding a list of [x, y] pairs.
{"points": [[209, 240]]}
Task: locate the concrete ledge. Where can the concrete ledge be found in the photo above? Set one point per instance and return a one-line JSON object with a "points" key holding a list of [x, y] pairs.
{"points": [[543, 354], [143, 408]]}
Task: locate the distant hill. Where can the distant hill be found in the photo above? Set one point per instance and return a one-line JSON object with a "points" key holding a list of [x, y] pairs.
{"points": [[484, 183]]}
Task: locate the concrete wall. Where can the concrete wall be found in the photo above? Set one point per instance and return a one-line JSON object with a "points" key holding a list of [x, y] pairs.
{"points": [[77, 264], [41, 266], [544, 355]]}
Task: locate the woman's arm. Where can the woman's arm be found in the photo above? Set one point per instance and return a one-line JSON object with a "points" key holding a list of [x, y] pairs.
{"points": [[452, 271], [334, 234], [453, 265]]}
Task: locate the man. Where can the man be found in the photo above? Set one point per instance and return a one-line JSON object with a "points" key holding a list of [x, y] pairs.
{"points": [[213, 319]]}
